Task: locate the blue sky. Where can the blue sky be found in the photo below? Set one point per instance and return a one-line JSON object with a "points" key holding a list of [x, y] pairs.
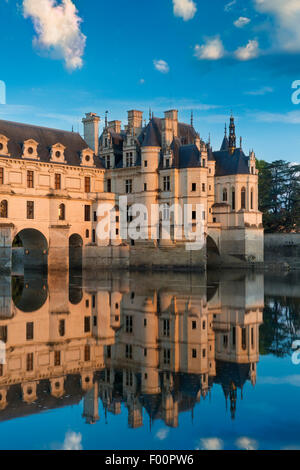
{"points": [[62, 59]]}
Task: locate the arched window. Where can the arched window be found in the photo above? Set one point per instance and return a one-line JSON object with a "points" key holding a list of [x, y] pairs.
{"points": [[4, 210], [233, 198], [252, 199], [225, 195], [62, 212], [243, 198]]}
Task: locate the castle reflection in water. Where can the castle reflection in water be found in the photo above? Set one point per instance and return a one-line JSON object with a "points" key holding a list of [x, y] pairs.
{"points": [[153, 342]]}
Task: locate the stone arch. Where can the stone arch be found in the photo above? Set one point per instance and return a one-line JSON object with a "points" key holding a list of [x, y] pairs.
{"points": [[75, 252], [212, 250], [33, 249]]}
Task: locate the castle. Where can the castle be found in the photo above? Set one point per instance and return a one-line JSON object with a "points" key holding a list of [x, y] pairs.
{"points": [[52, 183]]}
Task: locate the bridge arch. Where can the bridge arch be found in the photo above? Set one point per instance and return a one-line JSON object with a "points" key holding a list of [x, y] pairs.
{"points": [[213, 252], [32, 247]]}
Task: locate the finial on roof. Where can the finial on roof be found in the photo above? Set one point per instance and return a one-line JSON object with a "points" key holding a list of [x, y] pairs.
{"points": [[150, 114], [241, 142], [209, 138], [192, 118], [106, 113], [225, 129]]}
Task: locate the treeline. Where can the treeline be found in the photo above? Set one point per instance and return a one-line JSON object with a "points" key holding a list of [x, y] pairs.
{"points": [[279, 195]]}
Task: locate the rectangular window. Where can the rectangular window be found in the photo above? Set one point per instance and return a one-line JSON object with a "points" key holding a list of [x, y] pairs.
{"points": [[87, 213], [57, 358], [203, 353], [146, 163], [167, 185], [145, 186], [203, 187], [57, 181], [128, 186], [194, 215], [129, 324], [166, 331], [244, 339], [87, 353], [194, 187], [30, 210], [108, 185], [30, 179], [1, 175], [108, 352], [87, 324], [61, 328], [194, 325], [167, 162], [29, 331], [194, 353], [167, 356], [108, 162], [225, 341], [29, 362], [87, 184]]}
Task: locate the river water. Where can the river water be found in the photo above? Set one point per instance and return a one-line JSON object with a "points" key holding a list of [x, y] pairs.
{"points": [[150, 361]]}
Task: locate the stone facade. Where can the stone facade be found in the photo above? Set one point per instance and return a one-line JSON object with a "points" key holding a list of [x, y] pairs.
{"points": [[52, 183]]}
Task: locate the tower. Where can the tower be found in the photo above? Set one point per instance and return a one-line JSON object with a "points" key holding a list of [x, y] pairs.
{"points": [[232, 136]]}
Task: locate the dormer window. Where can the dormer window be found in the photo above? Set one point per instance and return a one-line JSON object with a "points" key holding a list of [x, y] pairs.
{"points": [[87, 157], [4, 145], [58, 153], [30, 149]]}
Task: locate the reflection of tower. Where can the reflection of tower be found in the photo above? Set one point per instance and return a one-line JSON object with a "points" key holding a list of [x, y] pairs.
{"points": [[91, 405], [233, 397], [135, 414]]}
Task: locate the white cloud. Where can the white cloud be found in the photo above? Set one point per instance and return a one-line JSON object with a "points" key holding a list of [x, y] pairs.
{"points": [[162, 434], [142, 81], [213, 49], [294, 380], [287, 19], [72, 441], [241, 22], [245, 443], [210, 443], [250, 51], [261, 91], [185, 9], [58, 29], [162, 66]]}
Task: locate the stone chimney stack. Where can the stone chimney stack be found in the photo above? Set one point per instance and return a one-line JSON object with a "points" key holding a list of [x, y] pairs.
{"points": [[135, 120], [115, 126], [91, 131], [169, 127]]}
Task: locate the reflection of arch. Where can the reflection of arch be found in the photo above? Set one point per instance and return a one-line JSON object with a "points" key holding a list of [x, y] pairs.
{"points": [[35, 248], [75, 251], [75, 290], [29, 295]]}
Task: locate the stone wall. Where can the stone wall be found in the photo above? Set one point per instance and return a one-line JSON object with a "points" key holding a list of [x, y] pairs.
{"points": [[282, 250]]}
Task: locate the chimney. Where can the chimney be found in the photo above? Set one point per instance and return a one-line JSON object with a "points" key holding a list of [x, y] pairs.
{"points": [[115, 126], [172, 116], [91, 131], [135, 119]]}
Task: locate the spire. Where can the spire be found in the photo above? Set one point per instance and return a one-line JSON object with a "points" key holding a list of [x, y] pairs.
{"points": [[225, 130], [192, 119], [106, 113], [241, 142], [150, 114], [232, 136]]}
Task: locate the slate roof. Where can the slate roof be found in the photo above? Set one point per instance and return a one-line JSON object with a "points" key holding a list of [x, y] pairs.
{"points": [[17, 133], [227, 164]]}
